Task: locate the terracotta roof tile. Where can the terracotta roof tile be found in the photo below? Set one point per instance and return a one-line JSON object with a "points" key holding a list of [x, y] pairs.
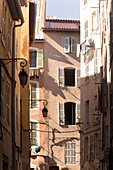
{"points": [[62, 20], [60, 29]]}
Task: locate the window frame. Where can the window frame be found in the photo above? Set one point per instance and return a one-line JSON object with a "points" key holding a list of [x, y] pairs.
{"points": [[37, 95], [37, 51], [62, 113], [68, 153], [37, 133], [69, 46], [61, 77]]}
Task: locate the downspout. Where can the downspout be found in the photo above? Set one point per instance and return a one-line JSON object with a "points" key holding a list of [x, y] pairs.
{"points": [[13, 92]]}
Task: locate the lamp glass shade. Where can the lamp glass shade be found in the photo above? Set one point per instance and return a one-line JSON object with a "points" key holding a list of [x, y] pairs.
{"points": [[23, 77], [44, 111]]}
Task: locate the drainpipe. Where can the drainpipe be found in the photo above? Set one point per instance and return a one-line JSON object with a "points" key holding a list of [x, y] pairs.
{"points": [[13, 92]]}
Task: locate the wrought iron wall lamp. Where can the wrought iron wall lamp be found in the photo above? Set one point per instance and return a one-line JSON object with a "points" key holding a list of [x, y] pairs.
{"points": [[22, 75], [45, 102]]}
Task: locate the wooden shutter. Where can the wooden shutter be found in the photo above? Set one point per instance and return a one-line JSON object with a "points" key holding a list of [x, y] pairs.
{"points": [[61, 114], [40, 58], [77, 78], [33, 95], [60, 76], [72, 45], [78, 112], [67, 45]]}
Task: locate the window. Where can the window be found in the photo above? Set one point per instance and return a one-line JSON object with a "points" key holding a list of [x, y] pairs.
{"points": [[68, 77], [86, 29], [36, 58], [67, 113], [1, 93], [8, 94], [4, 21], [69, 45], [32, 58], [34, 95], [87, 112], [96, 62], [34, 133], [70, 153]]}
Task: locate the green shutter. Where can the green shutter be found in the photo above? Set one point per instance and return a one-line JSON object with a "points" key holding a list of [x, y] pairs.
{"points": [[40, 58]]}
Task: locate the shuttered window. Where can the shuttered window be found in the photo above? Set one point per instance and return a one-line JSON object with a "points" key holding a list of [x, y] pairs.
{"points": [[70, 153], [61, 114], [36, 58], [69, 45], [67, 113], [68, 77]]}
